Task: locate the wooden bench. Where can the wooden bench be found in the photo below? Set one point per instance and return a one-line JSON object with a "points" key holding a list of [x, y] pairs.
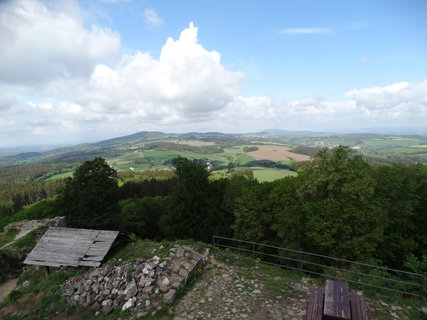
{"points": [[315, 304], [358, 307], [337, 305]]}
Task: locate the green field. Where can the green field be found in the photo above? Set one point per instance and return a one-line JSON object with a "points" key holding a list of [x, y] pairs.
{"points": [[61, 176], [269, 174]]}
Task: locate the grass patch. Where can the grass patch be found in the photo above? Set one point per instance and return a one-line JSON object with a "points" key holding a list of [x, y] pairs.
{"points": [[29, 240], [40, 298], [8, 236], [139, 248]]}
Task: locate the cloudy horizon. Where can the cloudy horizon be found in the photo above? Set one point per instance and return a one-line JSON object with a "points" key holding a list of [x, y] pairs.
{"points": [[74, 71]]}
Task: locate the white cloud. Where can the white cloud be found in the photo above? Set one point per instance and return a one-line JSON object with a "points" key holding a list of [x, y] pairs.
{"points": [[399, 99], [43, 41], [152, 18], [299, 31], [186, 81], [56, 87]]}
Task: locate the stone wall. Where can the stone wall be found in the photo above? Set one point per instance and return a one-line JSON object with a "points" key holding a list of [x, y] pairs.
{"points": [[143, 286]]}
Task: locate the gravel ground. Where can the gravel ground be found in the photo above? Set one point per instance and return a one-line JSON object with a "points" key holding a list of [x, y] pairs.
{"points": [[226, 291]]}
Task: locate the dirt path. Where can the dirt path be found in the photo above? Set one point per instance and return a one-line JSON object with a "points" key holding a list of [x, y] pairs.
{"points": [[6, 287], [24, 227]]}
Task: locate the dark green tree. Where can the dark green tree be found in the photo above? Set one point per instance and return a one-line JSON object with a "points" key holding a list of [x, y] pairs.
{"points": [[89, 199], [288, 218], [343, 217], [402, 191], [253, 214], [194, 205], [141, 216]]}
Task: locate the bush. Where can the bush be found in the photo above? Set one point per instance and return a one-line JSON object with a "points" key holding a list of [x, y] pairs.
{"points": [[39, 210]]}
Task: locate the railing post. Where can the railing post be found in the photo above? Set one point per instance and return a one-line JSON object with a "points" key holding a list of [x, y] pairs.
{"points": [[423, 288], [357, 277], [253, 253], [300, 264]]}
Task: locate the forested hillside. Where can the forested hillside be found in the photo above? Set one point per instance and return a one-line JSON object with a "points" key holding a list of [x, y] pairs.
{"points": [[337, 205]]}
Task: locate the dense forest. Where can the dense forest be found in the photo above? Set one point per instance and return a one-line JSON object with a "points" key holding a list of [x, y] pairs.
{"points": [[337, 205]]}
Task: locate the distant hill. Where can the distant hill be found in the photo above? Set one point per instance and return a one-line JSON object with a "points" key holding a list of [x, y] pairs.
{"points": [[413, 148]]}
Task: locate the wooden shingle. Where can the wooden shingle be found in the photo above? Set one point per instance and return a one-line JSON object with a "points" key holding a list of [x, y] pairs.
{"points": [[71, 247]]}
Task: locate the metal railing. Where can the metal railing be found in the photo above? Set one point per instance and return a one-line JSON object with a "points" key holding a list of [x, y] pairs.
{"points": [[356, 273]]}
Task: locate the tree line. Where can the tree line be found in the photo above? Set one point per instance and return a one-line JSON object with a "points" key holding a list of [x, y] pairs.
{"points": [[337, 205]]}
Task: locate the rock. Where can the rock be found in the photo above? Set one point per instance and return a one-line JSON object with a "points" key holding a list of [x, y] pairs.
{"points": [[95, 273], [188, 265], [180, 253], [145, 271], [148, 290], [147, 303], [69, 291], [141, 314], [164, 288], [131, 289], [183, 273], [107, 309], [166, 281], [256, 291], [107, 302], [128, 304], [170, 296], [96, 306]]}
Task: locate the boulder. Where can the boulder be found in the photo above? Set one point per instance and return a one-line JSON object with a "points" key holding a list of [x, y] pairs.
{"points": [[170, 296]]}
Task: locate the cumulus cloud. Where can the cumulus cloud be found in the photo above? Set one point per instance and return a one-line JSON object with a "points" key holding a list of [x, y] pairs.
{"points": [[402, 97], [43, 41], [61, 80], [186, 81], [152, 18]]}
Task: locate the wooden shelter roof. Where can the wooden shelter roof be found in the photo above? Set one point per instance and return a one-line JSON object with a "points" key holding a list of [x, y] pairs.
{"points": [[71, 247]]}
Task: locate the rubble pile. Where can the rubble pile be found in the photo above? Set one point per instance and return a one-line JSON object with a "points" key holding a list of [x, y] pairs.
{"points": [[141, 286]]}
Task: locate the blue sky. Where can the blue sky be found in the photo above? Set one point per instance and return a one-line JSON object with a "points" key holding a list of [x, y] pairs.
{"points": [[351, 44], [73, 71]]}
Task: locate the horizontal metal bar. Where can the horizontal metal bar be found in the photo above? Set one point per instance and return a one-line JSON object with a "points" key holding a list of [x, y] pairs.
{"points": [[324, 275], [361, 274], [323, 256], [324, 266]]}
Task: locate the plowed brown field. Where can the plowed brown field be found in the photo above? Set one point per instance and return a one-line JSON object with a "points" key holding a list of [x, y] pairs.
{"points": [[276, 153]]}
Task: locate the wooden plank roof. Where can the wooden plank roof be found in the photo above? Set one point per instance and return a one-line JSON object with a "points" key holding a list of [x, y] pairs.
{"points": [[71, 247]]}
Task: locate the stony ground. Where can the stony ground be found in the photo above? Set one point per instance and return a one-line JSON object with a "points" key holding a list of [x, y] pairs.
{"points": [[227, 291], [232, 289]]}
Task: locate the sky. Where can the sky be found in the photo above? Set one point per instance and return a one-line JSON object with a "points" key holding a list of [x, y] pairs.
{"points": [[83, 71]]}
